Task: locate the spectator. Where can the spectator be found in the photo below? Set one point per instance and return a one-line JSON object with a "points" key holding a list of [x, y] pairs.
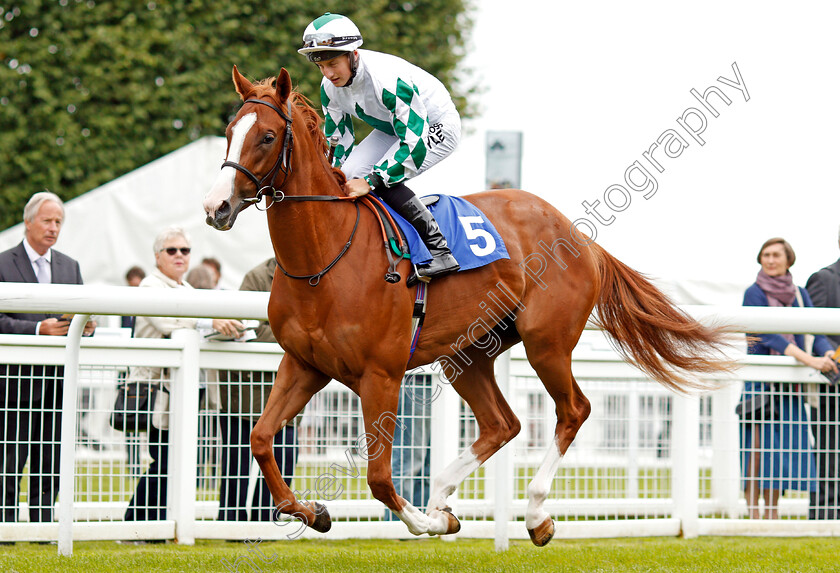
{"points": [[776, 454], [824, 289], [172, 258], [31, 396], [243, 398], [215, 268], [202, 277], [410, 459], [132, 278]]}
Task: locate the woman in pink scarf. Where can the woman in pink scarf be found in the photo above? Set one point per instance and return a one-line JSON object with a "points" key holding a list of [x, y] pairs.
{"points": [[775, 448]]}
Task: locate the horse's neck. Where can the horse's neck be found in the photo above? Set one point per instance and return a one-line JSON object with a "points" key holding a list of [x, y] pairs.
{"points": [[307, 235]]}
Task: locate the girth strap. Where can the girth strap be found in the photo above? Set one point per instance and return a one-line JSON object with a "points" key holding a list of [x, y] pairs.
{"points": [[418, 316]]}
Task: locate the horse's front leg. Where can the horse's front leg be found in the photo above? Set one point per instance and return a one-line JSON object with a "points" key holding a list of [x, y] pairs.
{"points": [[380, 400], [294, 385]]}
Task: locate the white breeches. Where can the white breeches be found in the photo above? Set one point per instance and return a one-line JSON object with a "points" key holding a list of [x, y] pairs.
{"points": [[442, 140]]}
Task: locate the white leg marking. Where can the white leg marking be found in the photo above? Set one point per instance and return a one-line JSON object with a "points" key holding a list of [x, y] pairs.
{"points": [[222, 189], [446, 483], [540, 486], [419, 523]]}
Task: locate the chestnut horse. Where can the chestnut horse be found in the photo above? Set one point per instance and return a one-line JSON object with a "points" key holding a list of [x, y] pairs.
{"points": [[347, 323]]}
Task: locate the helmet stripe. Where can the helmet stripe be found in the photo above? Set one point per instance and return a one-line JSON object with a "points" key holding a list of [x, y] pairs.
{"points": [[325, 19]]}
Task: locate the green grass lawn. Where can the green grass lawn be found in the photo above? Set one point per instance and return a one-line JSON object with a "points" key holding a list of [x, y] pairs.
{"points": [[707, 554]]}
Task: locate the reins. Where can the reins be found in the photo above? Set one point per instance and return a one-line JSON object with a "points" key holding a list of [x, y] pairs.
{"points": [[315, 278], [275, 194], [368, 202]]}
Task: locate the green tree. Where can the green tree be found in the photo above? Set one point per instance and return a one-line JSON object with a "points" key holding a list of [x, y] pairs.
{"points": [[91, 89]]}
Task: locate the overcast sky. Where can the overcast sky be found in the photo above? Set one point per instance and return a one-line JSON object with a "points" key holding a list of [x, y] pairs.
{"points": [[593, 85]]}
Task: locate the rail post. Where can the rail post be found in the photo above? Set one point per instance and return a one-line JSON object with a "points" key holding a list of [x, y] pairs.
{"points": [[183, 439], [67, 464]]}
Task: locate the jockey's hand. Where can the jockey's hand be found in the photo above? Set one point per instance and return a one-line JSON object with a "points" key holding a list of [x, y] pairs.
{"points": [[357, 188]]}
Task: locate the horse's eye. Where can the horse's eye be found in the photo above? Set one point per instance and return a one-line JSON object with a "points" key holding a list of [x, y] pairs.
{"points": [[269, 138]]}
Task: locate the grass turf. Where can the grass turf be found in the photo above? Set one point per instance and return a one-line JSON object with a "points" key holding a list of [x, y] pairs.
{"points": [[716, 554]]}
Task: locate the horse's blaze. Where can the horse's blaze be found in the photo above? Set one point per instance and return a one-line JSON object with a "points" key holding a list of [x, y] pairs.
{"points": [[222, 192]]}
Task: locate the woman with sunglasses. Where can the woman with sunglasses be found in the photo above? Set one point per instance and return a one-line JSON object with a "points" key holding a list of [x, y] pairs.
{"points": [[415, 124], [172, 258]]}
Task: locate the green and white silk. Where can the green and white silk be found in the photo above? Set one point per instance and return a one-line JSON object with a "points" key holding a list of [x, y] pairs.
{"points": [[396, 98]]}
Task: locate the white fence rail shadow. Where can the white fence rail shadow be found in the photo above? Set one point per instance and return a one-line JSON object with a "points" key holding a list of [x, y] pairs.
{"points": [[647, 462]]}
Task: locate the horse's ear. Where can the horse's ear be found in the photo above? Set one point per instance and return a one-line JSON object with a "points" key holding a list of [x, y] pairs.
{"points": [[243, 86], [284, 85]]}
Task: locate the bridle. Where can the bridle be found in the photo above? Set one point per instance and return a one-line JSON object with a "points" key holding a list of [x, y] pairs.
{"points": [[276, 194], [283, 163]]}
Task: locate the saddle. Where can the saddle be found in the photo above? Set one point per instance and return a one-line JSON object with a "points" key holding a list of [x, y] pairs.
{"points": [[472, 238]]}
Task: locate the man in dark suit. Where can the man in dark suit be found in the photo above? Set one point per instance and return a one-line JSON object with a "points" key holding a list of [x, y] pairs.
{"points": [[31, 396], [824, 288]]}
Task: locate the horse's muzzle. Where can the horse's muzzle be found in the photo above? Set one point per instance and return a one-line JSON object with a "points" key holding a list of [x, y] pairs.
{"points": [[223, 218], [217, 225]]}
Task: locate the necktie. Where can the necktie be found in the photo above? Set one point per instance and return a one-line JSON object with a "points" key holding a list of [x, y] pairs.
{"points": [[42, 274]]}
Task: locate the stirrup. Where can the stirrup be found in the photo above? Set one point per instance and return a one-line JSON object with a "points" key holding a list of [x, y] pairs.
{"points": [[438, 272], [416, 277]]}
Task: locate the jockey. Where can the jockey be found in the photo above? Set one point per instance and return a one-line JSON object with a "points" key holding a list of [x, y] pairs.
{"points": [[415, 124]]}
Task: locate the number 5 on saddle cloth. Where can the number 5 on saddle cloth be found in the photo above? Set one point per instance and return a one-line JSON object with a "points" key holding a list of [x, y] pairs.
{"points": [[471, 237]]}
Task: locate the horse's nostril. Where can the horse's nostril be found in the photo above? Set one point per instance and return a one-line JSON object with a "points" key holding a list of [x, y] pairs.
{"points": [[223, 212]]}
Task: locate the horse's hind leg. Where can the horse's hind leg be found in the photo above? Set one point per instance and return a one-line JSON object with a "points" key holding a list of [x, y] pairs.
{"points": [[572, 409], [497, 425]]}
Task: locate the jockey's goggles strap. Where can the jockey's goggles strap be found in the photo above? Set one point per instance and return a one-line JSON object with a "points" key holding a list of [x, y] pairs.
{"points": [[316, 40]]}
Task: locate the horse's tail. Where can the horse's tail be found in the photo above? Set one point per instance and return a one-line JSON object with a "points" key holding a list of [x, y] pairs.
{"points": [[652, 333]]}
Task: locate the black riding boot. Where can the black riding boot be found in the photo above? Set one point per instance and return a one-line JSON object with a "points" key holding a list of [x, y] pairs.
{"points": [[421, 219]]}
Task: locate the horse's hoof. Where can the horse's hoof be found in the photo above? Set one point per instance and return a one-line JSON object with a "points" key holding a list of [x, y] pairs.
{"points": [[542, 533], [322, 521], [454, 525]]}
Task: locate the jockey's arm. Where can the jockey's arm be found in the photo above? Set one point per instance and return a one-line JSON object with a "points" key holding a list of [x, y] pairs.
{"points": [[336, 122], [411, 126]]}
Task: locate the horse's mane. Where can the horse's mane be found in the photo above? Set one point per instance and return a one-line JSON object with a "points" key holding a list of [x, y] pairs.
{"points": [[311, 118]]}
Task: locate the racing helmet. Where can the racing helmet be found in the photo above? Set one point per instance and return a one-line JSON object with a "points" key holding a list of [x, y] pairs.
{"points": [[329, 36]]}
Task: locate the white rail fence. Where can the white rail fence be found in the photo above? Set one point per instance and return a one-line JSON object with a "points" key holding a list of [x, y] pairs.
{"points": [[647, 462]]}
